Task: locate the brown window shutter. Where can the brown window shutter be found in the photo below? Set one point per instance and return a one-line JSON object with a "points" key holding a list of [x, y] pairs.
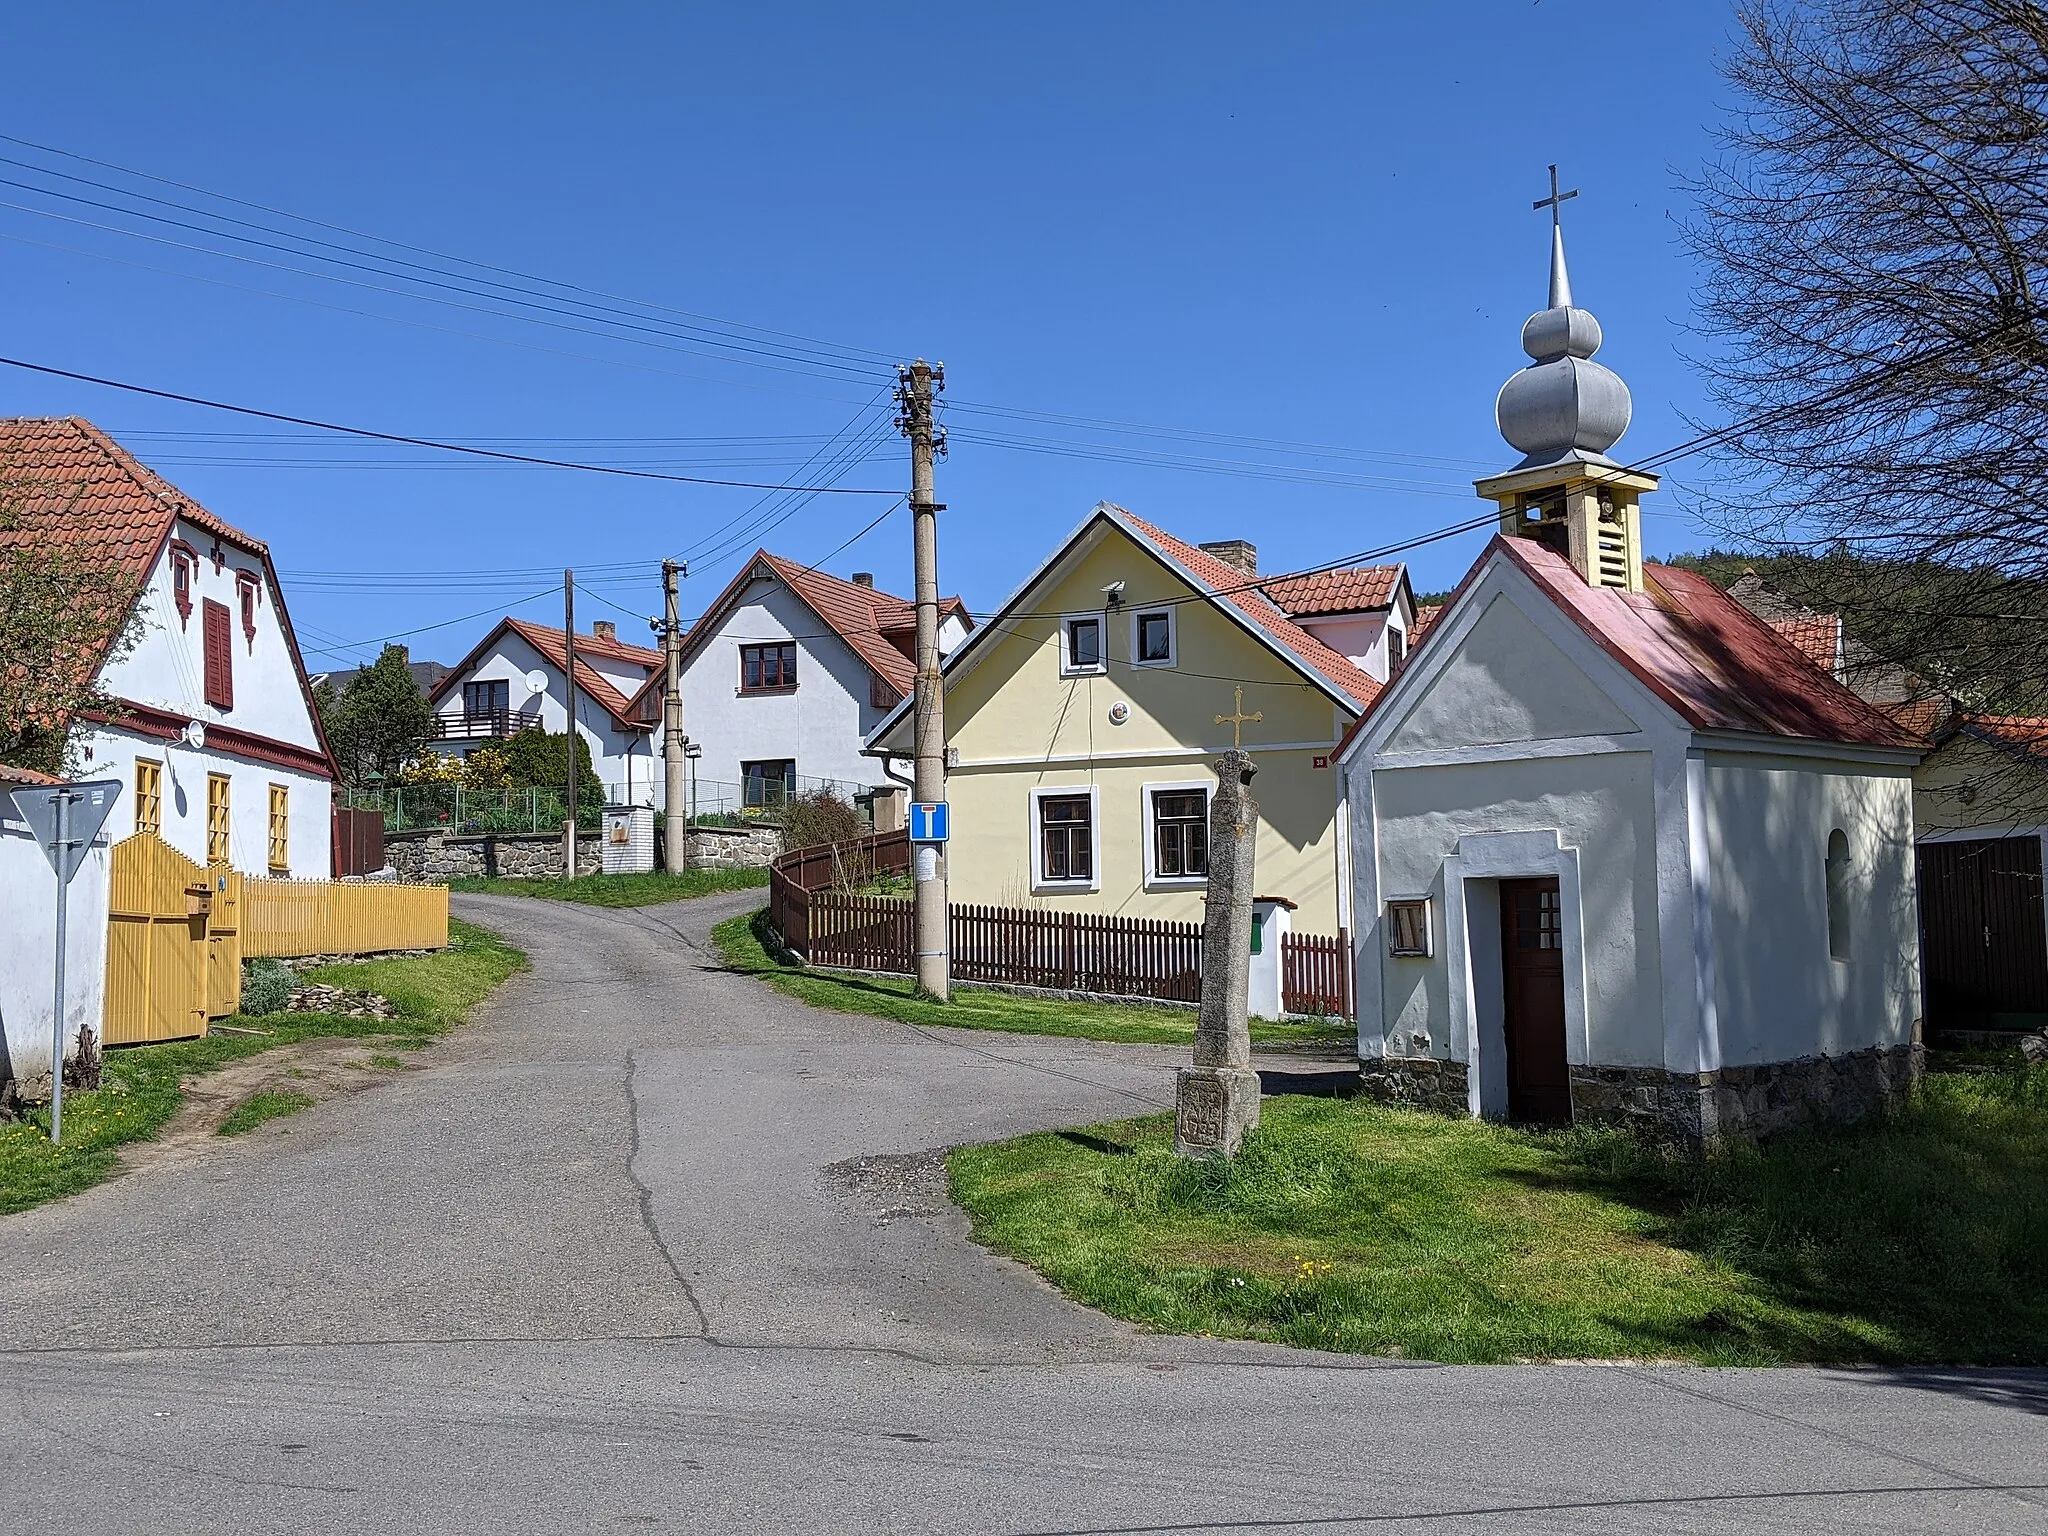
{"points": [[220, 657]]}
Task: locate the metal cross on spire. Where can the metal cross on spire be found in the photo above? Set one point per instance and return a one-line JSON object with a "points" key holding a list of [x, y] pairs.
{"points": [[1239, 720], [1560, 280]]}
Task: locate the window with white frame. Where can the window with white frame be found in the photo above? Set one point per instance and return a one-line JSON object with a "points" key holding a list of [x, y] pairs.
{"points": [[1177, 833], [1152, 637], [1064, 846], [1081, 644]]}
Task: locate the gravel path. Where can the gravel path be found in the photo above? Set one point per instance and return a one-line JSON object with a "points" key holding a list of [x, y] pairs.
{"points": [[648, 1246]]}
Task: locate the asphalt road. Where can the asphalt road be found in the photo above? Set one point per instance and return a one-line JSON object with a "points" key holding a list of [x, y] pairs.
{"points": [[650, 1247]]}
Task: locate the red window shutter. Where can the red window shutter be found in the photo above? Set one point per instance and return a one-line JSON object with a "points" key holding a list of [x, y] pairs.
{"points": [[220, 656]]}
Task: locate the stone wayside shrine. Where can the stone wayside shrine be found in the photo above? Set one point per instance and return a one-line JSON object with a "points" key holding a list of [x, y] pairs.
{"points": [[1619, 852], [1216, 1103]]}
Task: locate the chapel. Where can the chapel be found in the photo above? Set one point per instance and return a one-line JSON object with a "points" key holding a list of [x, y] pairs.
{"points": [[1619, 851]]}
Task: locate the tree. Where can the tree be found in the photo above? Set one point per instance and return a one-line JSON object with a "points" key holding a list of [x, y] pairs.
{"points": [[533, 760], [66, 611], [1875, 236], [381, 720]]}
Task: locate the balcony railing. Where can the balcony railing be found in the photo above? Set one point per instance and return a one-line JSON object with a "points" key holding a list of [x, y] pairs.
{"points": [[478, 725]]}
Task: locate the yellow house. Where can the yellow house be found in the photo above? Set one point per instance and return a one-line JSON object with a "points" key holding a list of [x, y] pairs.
{"points": [[1081, 722]]}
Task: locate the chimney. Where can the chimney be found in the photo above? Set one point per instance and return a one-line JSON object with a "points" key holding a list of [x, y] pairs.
{"points": [[864, 579], [605, 629], [1239, 554]]}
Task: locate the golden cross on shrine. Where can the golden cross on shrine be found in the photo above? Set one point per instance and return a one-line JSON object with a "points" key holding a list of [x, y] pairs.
{"points": [[1238, 721]]}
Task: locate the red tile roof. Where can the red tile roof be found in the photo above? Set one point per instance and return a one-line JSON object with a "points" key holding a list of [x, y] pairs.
{"points": [[1355, 589], [548, 641], [1816, 636], [9, 774], [70, 483], [1228, 584], [2025, 734], [1425, 620]]}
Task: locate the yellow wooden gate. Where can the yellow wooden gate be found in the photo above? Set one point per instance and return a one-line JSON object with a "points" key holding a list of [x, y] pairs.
{"points": [[158, 949], [224, 944]]}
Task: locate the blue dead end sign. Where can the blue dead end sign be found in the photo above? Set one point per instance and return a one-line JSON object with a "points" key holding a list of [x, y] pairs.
{"points": [[929, 822]]}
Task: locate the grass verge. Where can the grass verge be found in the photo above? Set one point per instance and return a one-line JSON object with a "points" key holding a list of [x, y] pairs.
{"points": [[142, 1085], [744, 941], [1359, 1227], [619, 890], [259, 1107]]}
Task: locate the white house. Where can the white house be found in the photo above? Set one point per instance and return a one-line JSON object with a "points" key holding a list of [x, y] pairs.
{"points": [[1619, 851], [210, 727], [486, 697], [786, 673]]}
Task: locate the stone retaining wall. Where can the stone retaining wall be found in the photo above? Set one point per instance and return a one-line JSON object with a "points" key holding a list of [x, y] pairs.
{"points": [[427, 857], [753, 847]]}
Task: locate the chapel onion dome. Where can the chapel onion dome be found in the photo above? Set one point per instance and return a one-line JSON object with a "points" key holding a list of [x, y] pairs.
{"points": [[1563, 405]]}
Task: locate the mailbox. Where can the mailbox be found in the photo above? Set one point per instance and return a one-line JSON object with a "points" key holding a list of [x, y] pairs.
{"points": [[199, 900]]}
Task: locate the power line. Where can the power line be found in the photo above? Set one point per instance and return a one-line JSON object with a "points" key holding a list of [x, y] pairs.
{"points": [[422, 442]]}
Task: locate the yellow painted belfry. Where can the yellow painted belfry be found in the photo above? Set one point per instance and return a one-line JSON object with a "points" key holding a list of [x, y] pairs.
{"points": [[1564, 411]]}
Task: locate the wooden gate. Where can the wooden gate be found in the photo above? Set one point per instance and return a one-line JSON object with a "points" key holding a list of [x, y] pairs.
{"points": [[159, 952], [1984, 944], [224, 944]]}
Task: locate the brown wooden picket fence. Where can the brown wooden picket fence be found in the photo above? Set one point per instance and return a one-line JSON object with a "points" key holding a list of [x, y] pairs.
{"points": [[827, 924], [1315, 973]]}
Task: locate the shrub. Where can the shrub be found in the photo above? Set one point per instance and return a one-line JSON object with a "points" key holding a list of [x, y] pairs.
{"points": [[267, 986]]}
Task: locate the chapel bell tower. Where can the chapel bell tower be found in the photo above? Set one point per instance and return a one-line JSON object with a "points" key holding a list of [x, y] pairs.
{"points": [[1564, 411]]}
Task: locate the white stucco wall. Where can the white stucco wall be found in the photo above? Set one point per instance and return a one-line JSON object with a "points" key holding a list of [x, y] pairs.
{"points": [[167, 666], [1779, 994], [822, 725], [111, 753], [28, 941]]}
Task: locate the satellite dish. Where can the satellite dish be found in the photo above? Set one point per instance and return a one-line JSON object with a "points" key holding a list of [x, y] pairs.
{"points": [[536, 681], [195, 735]]}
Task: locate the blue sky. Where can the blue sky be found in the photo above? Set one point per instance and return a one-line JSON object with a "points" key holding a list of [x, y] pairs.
{"points": [[1302, 223]]}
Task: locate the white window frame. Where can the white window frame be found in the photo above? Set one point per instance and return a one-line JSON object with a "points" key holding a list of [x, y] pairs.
{"points": [[1101, 667], [1040, 886], [1172, 636], [1154, 881]]}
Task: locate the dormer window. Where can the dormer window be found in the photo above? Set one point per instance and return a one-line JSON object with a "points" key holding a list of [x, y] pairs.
{"points": [[249, 587], [184, 577]]}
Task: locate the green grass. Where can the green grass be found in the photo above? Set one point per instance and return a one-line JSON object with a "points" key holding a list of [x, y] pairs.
{"points": [[259, 1107], [620, 890], [743, 941], [141, 1089], [1360, 1227]]}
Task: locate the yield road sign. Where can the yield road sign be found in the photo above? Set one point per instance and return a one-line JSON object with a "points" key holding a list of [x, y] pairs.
{"points": [[66, 837], [929, 822]]}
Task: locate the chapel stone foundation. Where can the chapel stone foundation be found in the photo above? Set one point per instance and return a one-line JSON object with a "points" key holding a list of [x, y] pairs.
{"points": [[1695, 1109]]}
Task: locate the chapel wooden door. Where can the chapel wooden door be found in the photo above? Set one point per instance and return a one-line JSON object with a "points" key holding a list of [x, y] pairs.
{"points": [[1532, 975]]}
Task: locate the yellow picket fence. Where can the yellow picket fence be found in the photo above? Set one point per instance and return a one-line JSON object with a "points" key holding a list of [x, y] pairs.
{"points": [[330, 917], [177, 933]]}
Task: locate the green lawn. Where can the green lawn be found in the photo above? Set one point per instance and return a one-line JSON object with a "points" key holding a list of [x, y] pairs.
{"points": [[141, 1086], [742, 941], [620, 890], [1347, 1225]]}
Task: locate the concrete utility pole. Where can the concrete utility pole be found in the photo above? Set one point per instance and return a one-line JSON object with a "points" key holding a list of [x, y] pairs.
{"points": [[914, 389], [674, 801], [569, 731]]}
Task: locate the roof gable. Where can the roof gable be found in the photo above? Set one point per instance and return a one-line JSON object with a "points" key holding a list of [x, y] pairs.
{"points": [[1505, 681], [878, 627], [548, 643], [70, 483]]}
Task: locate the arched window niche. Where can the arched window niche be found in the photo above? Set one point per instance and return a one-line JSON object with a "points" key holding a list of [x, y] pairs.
{"points": [[1838, 895]]}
